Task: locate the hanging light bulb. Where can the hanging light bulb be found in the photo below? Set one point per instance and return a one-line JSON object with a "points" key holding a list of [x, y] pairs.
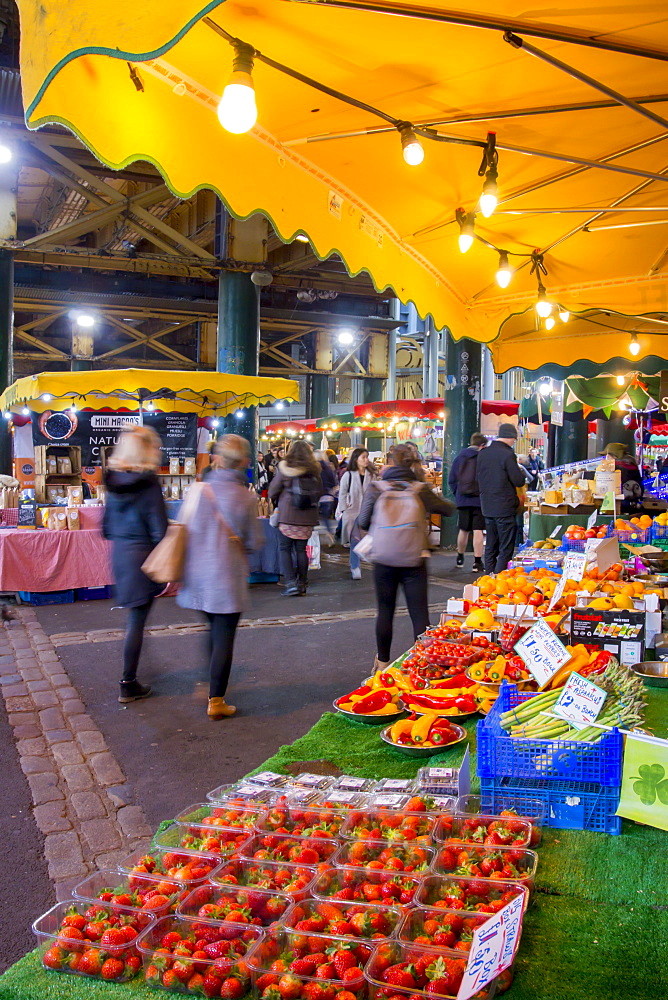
{"points": [[549, 322], [489, 198], [301, 238], [545, 388], [411, 146], [564, 314], [237, 111], [73, 408], [543, 305], [150, 405], [634, 346], [504, 273], [620, 380], [466, 230], [25, 411], [215, 422]]}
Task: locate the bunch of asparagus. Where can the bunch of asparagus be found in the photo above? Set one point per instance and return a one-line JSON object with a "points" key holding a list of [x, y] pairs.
{"points": [[623, 707]]}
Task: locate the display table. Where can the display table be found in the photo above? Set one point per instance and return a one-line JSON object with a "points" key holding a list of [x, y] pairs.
{"points": [[542, 525], [42, 561]]}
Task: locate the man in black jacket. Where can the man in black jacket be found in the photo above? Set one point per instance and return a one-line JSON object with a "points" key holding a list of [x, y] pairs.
{"points": [[499, 476], [463, 482]]}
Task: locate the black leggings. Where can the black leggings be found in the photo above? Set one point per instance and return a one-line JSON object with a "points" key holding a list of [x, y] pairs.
{"points": [[134, 637], [287, 547], [387, 580], [222, 630]]}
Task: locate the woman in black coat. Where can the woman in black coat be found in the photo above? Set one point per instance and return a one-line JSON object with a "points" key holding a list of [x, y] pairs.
{"points": [[135, 520]]}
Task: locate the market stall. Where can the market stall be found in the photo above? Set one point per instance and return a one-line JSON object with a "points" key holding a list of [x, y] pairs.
{"points": [[64, 426]]}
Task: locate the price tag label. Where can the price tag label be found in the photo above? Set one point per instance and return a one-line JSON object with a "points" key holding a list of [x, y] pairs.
{"points": [[542, 652], [591, 520], [348, 781], [558, 592], [389, 801], [342, 797], [397, 784], [557, 531], [267, 778], [309, 780], [493, 947], [580, 702], [574, 566]]}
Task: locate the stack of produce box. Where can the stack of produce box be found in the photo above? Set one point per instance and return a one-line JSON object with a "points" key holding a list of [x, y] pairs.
{"points": [[310, 888], [574, 783]]}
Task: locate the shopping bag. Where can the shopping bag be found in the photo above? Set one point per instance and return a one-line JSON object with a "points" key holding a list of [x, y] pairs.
{"points": [[313, 550], [364, 547], [166, 562]]}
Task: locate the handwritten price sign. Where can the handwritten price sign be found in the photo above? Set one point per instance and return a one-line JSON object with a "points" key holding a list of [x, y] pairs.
{"points": [[580, 702], [542, 652], [493, 947]]}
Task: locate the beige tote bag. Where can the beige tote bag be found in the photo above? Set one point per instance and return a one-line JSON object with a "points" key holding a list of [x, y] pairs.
{"points": [[166, 562]]}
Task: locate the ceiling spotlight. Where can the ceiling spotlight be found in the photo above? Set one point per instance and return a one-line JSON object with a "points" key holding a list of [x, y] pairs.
{"points": [[279, 404], [46, 396], [549, 322], [620, 380], [7, 415], [634, 346], [301, 238], [237, 111], [504, 273], [262, 278], [545, 388], [411, 146], [150, 405], [543, 305], [85, 320], [564, 315], [345, 337], [215, 422], [25, 411], [5, 153], [489, 198], [309, 437], [239, 414], [73, 408], [466, 229]]}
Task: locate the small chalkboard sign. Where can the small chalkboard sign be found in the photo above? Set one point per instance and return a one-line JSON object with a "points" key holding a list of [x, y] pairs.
{"points": [[27, 514]]}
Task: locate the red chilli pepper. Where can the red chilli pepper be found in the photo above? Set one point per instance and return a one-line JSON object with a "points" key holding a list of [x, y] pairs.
{"points": [[372, 702], [426, 701], [360, 692], [456, 681]]}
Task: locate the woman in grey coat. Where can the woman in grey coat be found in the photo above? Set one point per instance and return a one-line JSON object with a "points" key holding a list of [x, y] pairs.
{"points": [[355, 481], [222, 529]]}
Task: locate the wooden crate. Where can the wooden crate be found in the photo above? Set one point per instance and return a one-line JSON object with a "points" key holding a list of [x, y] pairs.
{"points": [[73, 452], [42, 483]]}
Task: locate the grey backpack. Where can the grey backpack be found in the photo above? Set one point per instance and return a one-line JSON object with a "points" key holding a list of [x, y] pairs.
{"points": [[398, 526]]}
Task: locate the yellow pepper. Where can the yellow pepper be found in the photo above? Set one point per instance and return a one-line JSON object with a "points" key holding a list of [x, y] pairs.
{"points": [[400, 728], [477, 670], [390, 709], [420, 728]]}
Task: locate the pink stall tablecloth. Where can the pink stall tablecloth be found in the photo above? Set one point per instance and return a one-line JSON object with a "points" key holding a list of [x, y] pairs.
{"points": [[44, 560]]}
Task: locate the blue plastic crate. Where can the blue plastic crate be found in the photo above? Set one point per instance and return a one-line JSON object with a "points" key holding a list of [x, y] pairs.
{"points": [[573, 544], [93, 593], [499, 755], [639, 536], [568, 805], [658, 533], [53, 597]]}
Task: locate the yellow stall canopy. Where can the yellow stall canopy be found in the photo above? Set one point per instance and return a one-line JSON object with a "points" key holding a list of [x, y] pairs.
{"points": [[204, 393], [582, 173]]}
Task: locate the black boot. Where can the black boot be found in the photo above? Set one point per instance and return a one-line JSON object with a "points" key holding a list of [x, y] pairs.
{"points": [[291, 589], [460, 559], [478, 566], [133, 691]]}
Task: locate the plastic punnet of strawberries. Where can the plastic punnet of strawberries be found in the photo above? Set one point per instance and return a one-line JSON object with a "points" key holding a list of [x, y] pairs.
{"points": [[311, 822], [186, 868], [198, 957], [92, 940], [350, 920], [324, 968], [278, 876], [236, 904], [436, 928], [283, 847], [400, 970], [475, 895], [359, 885]]}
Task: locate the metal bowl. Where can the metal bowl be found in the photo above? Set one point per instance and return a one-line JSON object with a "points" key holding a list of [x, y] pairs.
{"points": [[653, 672], [423, 751], [367, 720]]}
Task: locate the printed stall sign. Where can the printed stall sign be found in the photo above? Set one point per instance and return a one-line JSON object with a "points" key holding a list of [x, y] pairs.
{"points": [[644, 796], [620, 632], [493, 947], [580, 702], [542, 652], [92, 431]]}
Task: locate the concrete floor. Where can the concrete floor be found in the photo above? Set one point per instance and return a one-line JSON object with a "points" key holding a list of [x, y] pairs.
{"points": [[283, 679]]}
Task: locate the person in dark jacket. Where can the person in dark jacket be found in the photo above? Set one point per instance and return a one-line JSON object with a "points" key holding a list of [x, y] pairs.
{"points": [[330, 486], [135, 520], [499, 477], [534, 465], [463, 483], [388, 579], [296, 488]]}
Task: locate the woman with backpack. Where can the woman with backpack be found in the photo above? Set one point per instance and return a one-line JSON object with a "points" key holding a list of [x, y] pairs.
{"points": [[355, 481], [296, 489], [394, 511]]}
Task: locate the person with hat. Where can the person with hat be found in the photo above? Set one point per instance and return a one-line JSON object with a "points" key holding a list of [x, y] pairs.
{"points": [[632, 488], [499, 477]]}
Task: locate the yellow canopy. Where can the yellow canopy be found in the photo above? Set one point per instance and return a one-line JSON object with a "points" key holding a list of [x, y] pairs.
{"points": [[205, 393], [316, 164]]}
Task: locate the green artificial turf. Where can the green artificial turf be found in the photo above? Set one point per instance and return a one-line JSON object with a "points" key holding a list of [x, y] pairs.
{"points": [[595, 931]]}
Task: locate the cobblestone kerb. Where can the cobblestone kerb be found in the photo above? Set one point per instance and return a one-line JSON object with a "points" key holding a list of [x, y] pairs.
{"points": [[82, 803]]}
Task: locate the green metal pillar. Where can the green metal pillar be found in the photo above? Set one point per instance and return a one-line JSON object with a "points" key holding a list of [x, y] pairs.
{"points": [[239, 344], [81, 365], [462, 412], [6, 351], [608, 431], [372, 392], [571, 442], [319, 396]]}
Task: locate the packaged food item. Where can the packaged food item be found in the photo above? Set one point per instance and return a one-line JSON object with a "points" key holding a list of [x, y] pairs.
{"points": [[53, 493], [51, 465], [189, 466], [350, 783], [308, 780], [64, 464], [152, 893], [165, 491], [43, 515], [58, 520], [174, 466], [175, 491], [74, 496], [241, 904], [73, 519], [268, 778]]}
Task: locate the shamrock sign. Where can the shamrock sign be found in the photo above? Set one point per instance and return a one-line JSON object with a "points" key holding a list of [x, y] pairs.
{"points": [[644, 793], [651, 783]]}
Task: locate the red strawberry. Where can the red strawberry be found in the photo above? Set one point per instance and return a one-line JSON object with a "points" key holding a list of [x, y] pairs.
{"points": [[212, 985], [266, 980], [325, 971], [303, 967], [112, 968], [342, 959], [232, 989], [312, 991], [398, 975], [289, 987], [91, 962], [53, 958], [112, 937]]}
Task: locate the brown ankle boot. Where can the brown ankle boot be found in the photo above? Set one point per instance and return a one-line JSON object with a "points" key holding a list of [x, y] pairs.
{"points": [[219, 709], [379, 665]]}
